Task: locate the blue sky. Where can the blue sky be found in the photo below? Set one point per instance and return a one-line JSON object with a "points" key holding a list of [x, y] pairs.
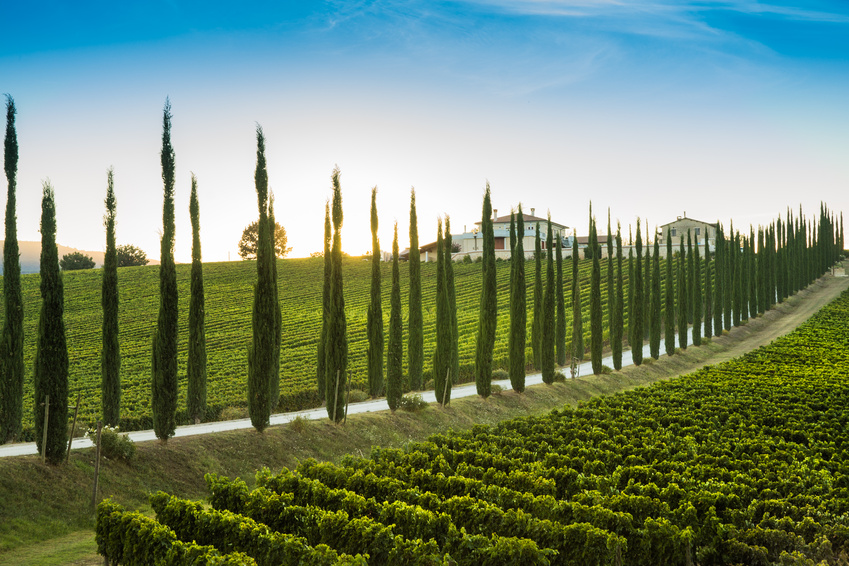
{"points": [[720, 109]]}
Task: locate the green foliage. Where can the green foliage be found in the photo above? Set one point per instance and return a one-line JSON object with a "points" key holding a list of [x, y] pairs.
{"points": [[596, 330], [110, 361], [656, 313], [682, 297], [415, 348], [539, 309], [518, 307], [321, 363], [488, 320], [452, 303], [130, 256], [637, 317], [548, 317], [374, 324], [336, 345], [249, 242], [76, 260], [50, 378], [560, 330], [12, 339], [113, 444], [196, 369], [696, 281], [442, 352], [617, 329], [412, 403], [577, 351], [164, 358], [395, 352]]}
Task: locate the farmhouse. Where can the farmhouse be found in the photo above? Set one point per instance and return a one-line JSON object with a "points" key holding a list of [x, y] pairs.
{"points": [[677, 231], [471, 242]]}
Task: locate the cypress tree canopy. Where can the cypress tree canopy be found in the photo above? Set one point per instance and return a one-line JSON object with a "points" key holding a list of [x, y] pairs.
{"points": [[110, 357], [518, 307], [488, 316], [196, 383], [395, 350], [374, 322], [336, 347]]}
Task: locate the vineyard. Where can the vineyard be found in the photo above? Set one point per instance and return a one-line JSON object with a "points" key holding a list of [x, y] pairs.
{"points": [[229, 296], [745, 462]]}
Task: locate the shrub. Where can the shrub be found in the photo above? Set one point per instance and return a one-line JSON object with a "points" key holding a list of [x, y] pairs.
{"points": [[412, 402], [357, 396], [114, 446], [467, 259], [495, 389], [300, 424], [76, 260], [500, 374], [559, 377], [608, 369]]}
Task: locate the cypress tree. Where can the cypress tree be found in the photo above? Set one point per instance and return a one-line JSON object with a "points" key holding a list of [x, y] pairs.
{"points": [[744, 279], [548, 322], [618, 314], [728, 278], [488, 316], [415, 347], [654, 334], [274, 384], [512, 251], [630, 292], [577, 322], [637, 317], [196, 383], [12, 341], [690, 273], [708, 292], [374, 320], [753, 275], [110, 357], [536, 330], [682, 297], [669, 303], [261, 351], [611, 281], [321, 365], [696, 281], [452, 303], [560, 335], [719, 278], [442, 352], [50, 378], [518, 308], [165, 340], [395, 349], [336, 348], [647, 288], [596, 330], [735, 278]]}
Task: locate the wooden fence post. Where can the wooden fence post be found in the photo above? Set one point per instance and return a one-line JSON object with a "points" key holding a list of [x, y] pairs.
{"points": [[44, 432], [73, 428], [96, 465]]}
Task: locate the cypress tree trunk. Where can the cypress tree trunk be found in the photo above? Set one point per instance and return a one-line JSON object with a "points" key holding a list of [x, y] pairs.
{"points": [[656, 315], [518, 308], [560, 335], [395, 350], [548, 329], [51, 356], [321, 365], [682, 297], [452, 303], [110, 357], [669, 310], [577, 351], [165, 340], [442, 352], [336, 348], [488, 316], [261, 351], [374, 321], [619, 307], [196, 383], [637, 335], [415, 349], [696, 281], [12, 341], [596, 330], [708, 292], [536, 330]]}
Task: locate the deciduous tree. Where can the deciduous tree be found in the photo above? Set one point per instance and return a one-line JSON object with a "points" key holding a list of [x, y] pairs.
{"points": [[76, 260]]}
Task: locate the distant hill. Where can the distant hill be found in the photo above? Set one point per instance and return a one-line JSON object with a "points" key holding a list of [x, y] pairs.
{"points": [[31, 256]]}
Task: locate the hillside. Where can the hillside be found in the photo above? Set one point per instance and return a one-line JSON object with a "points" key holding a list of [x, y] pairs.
{"points": [[31, 252]]}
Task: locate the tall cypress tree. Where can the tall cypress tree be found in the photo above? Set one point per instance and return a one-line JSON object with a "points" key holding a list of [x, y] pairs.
{"points": [[744, 278], [647, 288], [165, 340], [719, 278], [728, 278], [442, 352], [654, 333], [753, 273], [560, 335], [735, 277], [611, 281], [637, 316], [374, 320], [518, 307], [596, 330], [415, 348], [196, 383], [682, 296], [321, 365], [708, 292], [690, 273], [12, 341], [536, 330], [452, 302], [50, 378], [577, 322], [395, 349], [618, 314], [110, 356], [336, 348], [488, 316], [274, 382], [696, 281], [669, 317], [548, 321], [261, 351]]}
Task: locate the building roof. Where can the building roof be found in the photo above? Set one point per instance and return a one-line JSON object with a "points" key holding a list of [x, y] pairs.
{"points": [[680, 218], [527, 219], [585, 240]]}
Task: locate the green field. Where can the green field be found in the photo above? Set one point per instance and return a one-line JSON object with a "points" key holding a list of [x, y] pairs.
{"points": [[229, 296]]}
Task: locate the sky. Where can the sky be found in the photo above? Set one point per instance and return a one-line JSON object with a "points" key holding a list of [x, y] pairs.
{"points": [[725, 110]]}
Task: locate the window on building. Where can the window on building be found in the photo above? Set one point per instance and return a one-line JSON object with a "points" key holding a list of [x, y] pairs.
{"points": [[499, 243], [698, 231], [673, 232]]}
